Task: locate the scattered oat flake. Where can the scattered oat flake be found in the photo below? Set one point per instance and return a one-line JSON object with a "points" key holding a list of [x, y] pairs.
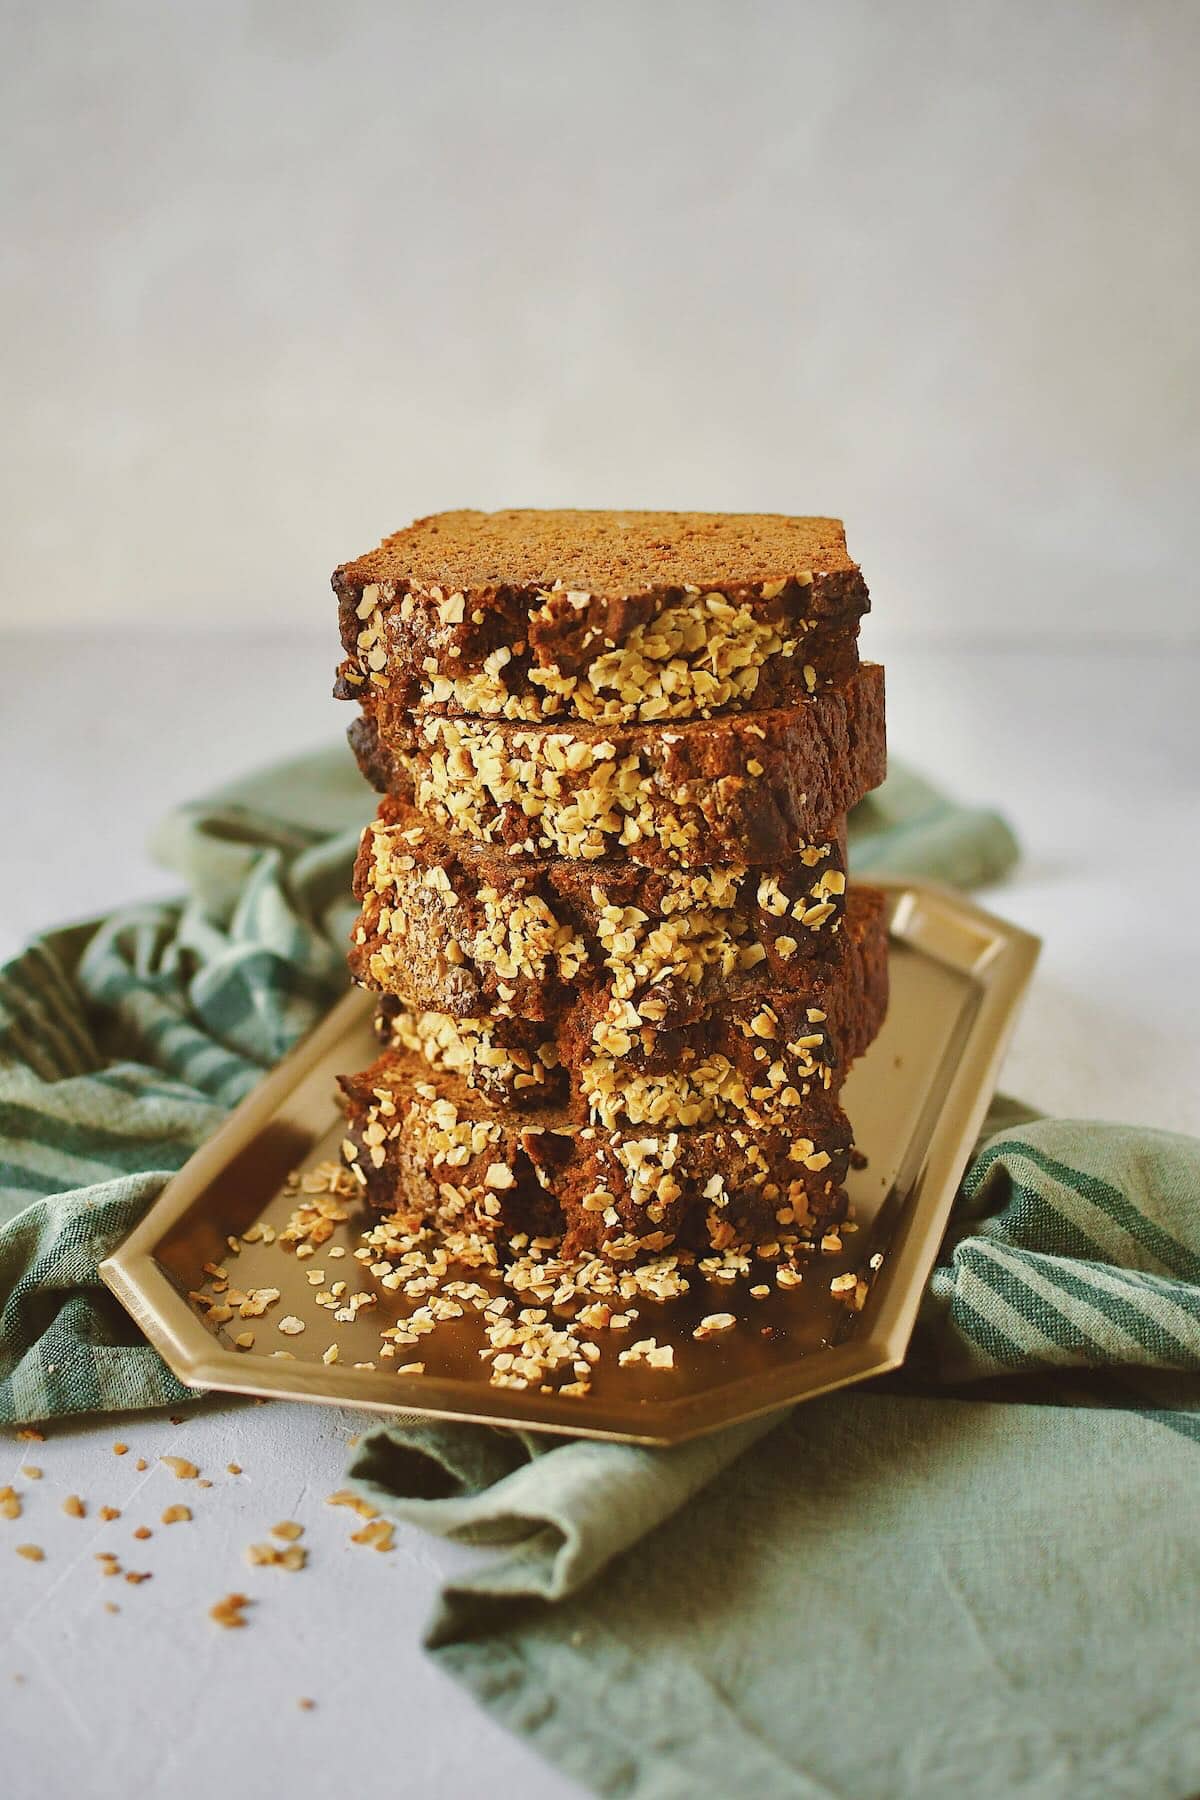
{"points": [[378, 1535], [228, 1612], [288, 1528], [74, 1508], [142, 1533], [344, 1497], [714, 1322], [244, 1340], [233, 1468], [109, 1513], [141, 1464], [31, 1472], [10, 1503], [290, 1325], [110, 1606], [649, 1351], [305, 1704], [31, 1552], [270, 1556], [135, 1577], [177, 1515], [180, 1467], [120, 1449], [29, 1434]]}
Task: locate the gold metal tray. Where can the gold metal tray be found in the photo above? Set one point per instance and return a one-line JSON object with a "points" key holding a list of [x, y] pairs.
{"points": [[917, 1100]]}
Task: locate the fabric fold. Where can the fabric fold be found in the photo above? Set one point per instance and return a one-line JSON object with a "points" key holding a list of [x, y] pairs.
{"points": [[562, 1510]]}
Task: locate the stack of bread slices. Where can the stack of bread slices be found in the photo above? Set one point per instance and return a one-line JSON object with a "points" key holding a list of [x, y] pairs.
{"points": [[620, 974]]}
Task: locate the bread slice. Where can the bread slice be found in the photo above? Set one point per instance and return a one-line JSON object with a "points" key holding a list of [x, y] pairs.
{"points": [[753, 1058], [433, 1150], [748, 788], [636, 616], [454, 927]]}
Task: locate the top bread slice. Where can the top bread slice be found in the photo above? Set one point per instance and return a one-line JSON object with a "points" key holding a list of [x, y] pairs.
{"points": [[606, 616]]}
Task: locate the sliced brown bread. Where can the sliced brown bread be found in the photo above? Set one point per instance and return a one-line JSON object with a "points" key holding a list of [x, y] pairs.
{"points": [[748, 788], [752, 1058], [450, 926], [600, 615], [431, 1148]]}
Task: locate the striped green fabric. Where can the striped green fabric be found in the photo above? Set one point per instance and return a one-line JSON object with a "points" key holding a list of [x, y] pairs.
{"points": [[123, 1045]]}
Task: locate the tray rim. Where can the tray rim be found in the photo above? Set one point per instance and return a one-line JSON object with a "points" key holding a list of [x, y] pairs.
{"points": [[1003, 969]]}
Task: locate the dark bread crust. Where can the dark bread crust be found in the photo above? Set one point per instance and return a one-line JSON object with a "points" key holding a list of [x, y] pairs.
{"points": [[432, 1149], [747, 788], [450, 926], [601, 1060]]}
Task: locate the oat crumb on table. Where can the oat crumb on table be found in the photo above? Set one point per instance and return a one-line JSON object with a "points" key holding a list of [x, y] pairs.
{"points": [[180, 1467], [229, 1612], [269, 1556]]}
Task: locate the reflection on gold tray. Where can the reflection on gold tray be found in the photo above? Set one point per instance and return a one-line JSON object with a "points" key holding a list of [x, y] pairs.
{"points": [[916, 1100]]}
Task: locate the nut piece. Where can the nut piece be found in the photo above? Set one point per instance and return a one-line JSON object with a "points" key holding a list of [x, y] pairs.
{"points": [[271, 1556], [180, 1467], [228, 1612], [713, 1323]]}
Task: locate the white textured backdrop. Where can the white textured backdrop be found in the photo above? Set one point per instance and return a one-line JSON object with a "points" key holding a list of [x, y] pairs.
{"points": [[277, 277]]}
